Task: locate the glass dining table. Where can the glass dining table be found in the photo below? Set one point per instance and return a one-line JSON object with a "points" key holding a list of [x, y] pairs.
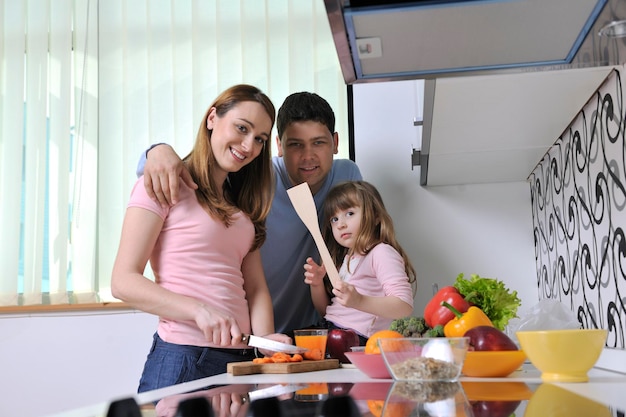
{"points": [[346, 391]]}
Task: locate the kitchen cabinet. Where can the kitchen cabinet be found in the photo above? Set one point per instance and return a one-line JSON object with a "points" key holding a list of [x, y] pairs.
{"points": [[503, 79], [477, 129], [393, 40], [496, 128]]}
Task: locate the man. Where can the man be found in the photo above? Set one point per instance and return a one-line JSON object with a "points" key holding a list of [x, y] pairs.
{"points": [[306, 143]]}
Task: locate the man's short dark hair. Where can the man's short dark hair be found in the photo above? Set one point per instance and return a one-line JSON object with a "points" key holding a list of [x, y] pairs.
{"points": [[304, 107]]}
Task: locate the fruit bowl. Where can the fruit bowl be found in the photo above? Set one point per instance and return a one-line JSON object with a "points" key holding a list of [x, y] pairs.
{"points": [[371, 365], [424, 358], [563, 355], [492, 363]]}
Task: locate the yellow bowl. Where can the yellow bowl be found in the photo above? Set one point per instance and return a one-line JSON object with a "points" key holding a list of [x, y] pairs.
{"points": [[554, 401], [496, 363], [563, 355]]}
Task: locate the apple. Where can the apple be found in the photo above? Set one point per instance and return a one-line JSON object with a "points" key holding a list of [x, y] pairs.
{"points": [[340, 341], [489, 338], [494, 408], [336, 389]]}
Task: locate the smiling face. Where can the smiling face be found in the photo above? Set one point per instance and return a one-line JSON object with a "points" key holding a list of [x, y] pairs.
{"points": [[346, 225], [238, 136], [307, 149]]}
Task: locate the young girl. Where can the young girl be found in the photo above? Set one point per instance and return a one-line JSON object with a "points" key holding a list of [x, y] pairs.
{"points": [[378, 279], [209, 286]]}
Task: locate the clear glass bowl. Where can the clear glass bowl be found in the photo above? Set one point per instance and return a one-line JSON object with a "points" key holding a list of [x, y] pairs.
{"points": [[424, 358]]}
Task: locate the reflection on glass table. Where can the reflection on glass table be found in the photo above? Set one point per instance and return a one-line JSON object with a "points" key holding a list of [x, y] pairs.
{"points": [[375, 399]]}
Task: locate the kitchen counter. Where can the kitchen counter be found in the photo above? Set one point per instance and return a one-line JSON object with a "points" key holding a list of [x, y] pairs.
{"points": [[604, 389]]}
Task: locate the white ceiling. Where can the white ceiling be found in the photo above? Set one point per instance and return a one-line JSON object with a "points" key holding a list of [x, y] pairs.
{"points": [[496, 128]]}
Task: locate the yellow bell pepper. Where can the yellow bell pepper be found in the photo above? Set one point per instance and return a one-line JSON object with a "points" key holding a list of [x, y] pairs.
{"points": [[462, 322]]}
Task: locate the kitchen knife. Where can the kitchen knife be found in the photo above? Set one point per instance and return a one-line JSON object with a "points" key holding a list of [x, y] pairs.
{"points": [[263, 343], [274, 391]]}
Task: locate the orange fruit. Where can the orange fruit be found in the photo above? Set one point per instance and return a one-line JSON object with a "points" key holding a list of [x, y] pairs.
{"points": [[376, 407], [371, 347], [394, 409], [399, 409]]}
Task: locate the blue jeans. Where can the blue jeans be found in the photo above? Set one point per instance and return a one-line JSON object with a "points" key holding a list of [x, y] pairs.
{"points": [[169, 364]]}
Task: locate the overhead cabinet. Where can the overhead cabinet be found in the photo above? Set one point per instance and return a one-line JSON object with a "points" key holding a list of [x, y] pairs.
{"points": [[502, 78], [382, 40]]}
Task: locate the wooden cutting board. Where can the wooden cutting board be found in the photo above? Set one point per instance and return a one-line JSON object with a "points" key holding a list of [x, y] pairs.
{"points": [[248, 368]]}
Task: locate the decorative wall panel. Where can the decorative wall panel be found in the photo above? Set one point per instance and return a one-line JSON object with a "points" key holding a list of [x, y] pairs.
{"points": [[578, 195]]}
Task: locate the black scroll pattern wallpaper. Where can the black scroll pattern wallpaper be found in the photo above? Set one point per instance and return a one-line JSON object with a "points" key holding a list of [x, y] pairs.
{"points": [[578, 195]]}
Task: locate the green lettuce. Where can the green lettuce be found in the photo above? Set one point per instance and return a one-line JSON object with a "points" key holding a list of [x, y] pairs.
{"points": [[490, 295]]}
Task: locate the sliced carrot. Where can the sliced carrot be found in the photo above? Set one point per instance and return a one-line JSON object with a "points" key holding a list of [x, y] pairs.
{"points": [[281, 357], [313, 355]]}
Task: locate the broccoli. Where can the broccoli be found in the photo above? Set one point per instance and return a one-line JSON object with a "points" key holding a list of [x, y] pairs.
{"points": [[436, 331], [398, 325], [415, 327], [409, 326]]}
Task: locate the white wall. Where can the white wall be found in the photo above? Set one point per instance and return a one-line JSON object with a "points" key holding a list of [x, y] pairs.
{"points": [[481, 228], [55, 362]]}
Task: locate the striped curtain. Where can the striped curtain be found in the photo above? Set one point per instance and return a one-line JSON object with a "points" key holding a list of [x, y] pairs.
{"points": [[88, 85]]}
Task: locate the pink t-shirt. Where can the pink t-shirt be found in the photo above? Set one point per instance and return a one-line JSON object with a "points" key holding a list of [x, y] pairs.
{"points": [[379, 273], [199, 257]]}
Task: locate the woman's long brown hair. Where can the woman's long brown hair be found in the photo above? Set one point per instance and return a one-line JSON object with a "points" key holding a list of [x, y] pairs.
{"points": [[250, 189]]}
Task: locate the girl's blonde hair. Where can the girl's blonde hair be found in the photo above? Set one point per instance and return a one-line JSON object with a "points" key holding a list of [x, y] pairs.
{"points": [[250, 189], [376, 223]]}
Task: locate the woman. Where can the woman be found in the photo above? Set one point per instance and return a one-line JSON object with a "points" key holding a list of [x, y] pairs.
{"points": [[209, 286]]}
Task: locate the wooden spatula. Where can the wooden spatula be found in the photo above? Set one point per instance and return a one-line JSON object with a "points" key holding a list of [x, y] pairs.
{"points": [[302, 201]]}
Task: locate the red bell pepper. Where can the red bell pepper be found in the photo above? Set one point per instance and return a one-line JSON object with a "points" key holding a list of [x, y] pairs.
{"points": [[435, 313]]}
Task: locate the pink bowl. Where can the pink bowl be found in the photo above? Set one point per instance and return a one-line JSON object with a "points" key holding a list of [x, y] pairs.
{"points": [[372, 365]]}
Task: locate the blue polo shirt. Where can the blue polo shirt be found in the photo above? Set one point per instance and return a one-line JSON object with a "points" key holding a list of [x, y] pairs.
{"points": [[289, 244]]}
